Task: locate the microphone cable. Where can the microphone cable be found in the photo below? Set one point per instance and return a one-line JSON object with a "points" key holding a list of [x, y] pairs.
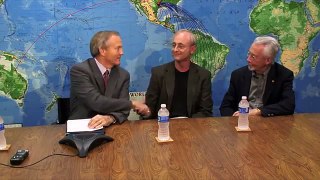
{"points": [[54, 154]]}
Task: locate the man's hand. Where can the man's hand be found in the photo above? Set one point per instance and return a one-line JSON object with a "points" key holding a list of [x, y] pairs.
{"points": [[255, 112], [99, 121], [235, 113], [141, 108], [252, 112]]}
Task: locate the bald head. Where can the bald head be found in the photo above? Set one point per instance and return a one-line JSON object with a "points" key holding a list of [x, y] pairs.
{"points": [[188, 34]]}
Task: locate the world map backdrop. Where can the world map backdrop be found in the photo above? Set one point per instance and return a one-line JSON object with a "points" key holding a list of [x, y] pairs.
{"points": [[41, 40]]}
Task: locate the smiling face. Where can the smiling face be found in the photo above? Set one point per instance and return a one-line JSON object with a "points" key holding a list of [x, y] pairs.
{"points": [[112, 51], [182, 47], [257, 60]]}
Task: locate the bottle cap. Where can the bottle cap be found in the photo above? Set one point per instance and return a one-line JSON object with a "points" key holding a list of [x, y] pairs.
{"points": [[163, 105], [244, 97]]}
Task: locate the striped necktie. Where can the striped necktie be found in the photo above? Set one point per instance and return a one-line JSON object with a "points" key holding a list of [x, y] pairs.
{"points": [[106, 78]]}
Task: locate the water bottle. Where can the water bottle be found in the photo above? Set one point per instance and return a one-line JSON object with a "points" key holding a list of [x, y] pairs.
{"points": [[163, 122], [3, 142], [243, 121]]}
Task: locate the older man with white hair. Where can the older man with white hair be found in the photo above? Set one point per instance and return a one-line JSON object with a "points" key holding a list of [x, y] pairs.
{"points": [[267, 84]]}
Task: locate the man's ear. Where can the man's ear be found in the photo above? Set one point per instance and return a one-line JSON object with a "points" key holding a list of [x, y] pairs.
{"points": [[101, 51], [193, 49], [268, 61]]}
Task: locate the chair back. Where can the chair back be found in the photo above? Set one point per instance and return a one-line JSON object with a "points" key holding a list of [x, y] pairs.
{"points": [[63, 110]]}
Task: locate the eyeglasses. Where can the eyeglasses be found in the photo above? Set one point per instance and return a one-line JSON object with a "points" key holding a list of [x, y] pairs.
{"points": [[254, 57]]}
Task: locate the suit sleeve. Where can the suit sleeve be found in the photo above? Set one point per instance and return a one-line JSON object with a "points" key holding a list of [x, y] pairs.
{"points": [[229, 104], [286, 104], [121, 116], [153, 92], [83, 85], [205, 103]]}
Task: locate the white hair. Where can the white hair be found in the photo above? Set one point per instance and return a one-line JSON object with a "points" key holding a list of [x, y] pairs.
{"points": [[271, 45]]}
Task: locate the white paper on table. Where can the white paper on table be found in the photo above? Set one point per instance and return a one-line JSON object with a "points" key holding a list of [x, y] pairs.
{"points": [[79, 125]]}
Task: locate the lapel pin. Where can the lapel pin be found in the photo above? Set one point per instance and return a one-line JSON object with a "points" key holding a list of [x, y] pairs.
{"points": [[273, 81]]}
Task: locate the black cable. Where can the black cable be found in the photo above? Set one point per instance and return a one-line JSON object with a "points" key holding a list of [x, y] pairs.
{"points": [[55, 154]]}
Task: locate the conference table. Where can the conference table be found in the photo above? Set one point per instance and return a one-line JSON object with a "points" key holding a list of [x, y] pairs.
{"points": [[283, 147]]}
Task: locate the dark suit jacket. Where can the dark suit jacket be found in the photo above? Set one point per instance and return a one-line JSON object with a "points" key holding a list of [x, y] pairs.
{"points": [[278, 97], [87, 96], [161, 89]]}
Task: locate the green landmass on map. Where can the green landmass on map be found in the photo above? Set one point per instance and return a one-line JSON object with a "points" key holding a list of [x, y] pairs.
{"points": [[149, 8], [53, 102], [314, 9], [210, 54], [289, 22], [12, 83], [315, 59]]}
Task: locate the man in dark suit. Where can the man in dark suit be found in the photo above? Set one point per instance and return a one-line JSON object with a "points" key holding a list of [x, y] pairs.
{"points": [[99, 86], [267, 84], [182, 85]]}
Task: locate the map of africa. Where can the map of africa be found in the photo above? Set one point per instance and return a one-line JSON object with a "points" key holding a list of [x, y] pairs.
{"points": [[41, 40]]}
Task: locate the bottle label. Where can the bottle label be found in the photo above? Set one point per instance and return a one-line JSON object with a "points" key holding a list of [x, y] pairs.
{"points": [[1, 127], [243, 110], [163, 118]]}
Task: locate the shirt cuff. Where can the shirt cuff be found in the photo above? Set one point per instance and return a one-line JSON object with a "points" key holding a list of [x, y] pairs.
{"points": [[114, 120]]}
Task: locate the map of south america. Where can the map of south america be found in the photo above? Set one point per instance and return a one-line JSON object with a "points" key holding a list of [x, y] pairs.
{"points": [[210, 53]]}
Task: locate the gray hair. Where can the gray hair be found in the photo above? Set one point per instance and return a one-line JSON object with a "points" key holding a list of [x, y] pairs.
{"points": [[192, 36], [100, 40], [271, 45]]}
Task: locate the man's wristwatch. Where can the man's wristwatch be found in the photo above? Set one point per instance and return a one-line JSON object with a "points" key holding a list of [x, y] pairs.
{"points": [[114, 119], [258, 111]]}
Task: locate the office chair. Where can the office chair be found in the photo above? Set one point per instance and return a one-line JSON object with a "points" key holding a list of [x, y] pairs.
{"points": [[63, 110]]}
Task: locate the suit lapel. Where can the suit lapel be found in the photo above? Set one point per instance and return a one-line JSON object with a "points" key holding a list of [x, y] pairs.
{"points": [[271, 79], [193, 79], [246, 82], [169, 82], [112, 82], [97, 74]]}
